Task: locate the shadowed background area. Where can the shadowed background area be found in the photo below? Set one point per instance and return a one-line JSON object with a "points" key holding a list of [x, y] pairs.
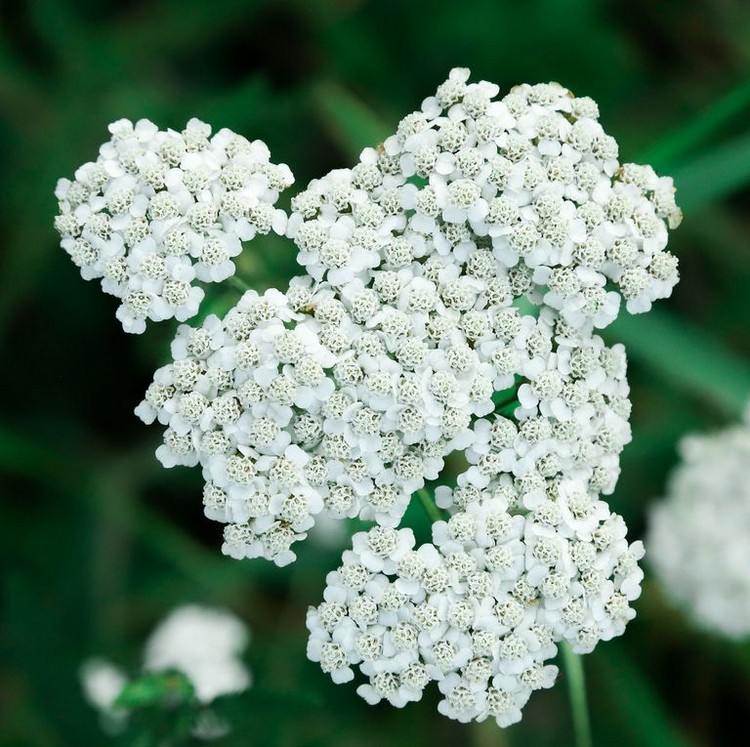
{"points": [[99, 542]]}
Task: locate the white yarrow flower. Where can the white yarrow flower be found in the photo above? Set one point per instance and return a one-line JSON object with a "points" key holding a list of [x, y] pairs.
{"points": [[699, 535], [159, 209], [453, 282], [102, 682], [204, 644]]}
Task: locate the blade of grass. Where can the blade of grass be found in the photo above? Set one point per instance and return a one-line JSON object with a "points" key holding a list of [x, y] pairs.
{"points": [[698, 128], [350, 122], [686, 357], [714, 175], [640, 706]]}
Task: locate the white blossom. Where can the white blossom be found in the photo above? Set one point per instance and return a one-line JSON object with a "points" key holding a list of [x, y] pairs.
{"points": [[102, 682], [480, 610], [453, 282], [699, 534], [205, 644], [159, 210]]}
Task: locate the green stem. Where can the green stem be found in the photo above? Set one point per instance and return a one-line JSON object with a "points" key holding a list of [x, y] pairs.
{"points": [[238, 283], [432, 511], [577, 693]]}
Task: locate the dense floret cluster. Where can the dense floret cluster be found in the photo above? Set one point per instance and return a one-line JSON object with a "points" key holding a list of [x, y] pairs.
{"points": [[160, 209], [479, 610], [453, 283], [699, 535]]}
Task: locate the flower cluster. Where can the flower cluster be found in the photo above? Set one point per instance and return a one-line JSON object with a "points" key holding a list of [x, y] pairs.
{"points": [[454, 280], [699, 536], [203, 643], [475, 202], [479, 610], [160, 209]]}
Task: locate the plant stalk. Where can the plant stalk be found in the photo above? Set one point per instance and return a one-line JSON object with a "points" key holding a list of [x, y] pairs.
{"points": [[432, 511], [576, 680]]}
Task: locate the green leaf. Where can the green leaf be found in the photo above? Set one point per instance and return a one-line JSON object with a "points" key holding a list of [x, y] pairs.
{"points": [[156, 689], [352, 124], [640, 706], [685, 356], [714, 175], [698, 128]]}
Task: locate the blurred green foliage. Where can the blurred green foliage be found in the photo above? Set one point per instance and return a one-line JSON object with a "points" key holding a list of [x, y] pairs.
{"points": [[98, 542]]}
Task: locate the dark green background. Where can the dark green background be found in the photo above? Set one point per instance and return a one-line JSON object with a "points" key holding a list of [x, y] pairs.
{"points": [[98, 542]]}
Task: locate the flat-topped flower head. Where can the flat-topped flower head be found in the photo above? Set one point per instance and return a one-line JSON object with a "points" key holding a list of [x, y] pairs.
{"points": [[454, 279], [452, 283], [159, 210], [480, 610], [526, 188]]}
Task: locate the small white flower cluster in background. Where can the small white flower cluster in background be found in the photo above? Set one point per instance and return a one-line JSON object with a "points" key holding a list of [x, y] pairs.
{"points": [[699, 535], [203, 643], [160, 209], [206, 645], [102, 682], [454, 281]]}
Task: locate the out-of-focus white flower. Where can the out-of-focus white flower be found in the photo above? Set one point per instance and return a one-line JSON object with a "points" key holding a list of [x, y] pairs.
{"points": [[204, 644], [160, 209], [699, 535], [102, 682]]}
